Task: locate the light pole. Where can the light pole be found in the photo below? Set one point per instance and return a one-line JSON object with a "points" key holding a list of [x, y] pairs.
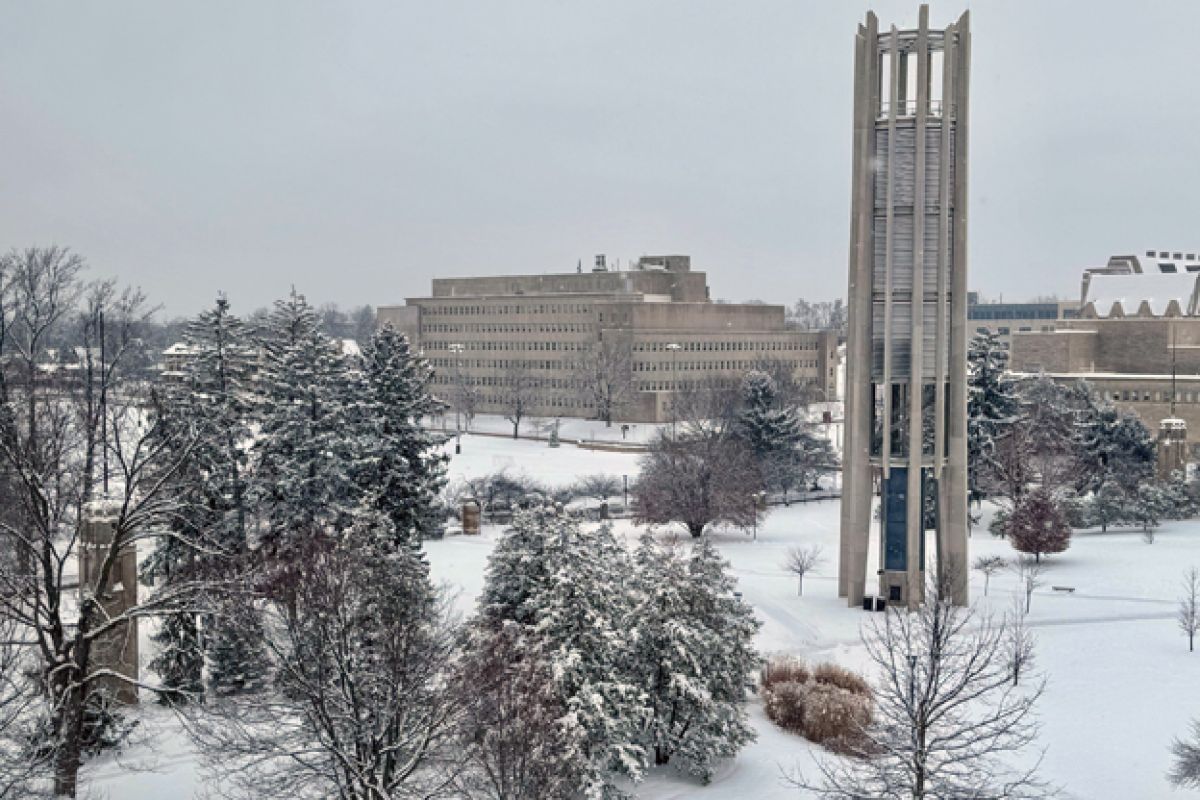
{"points": [[457, 349], [674, 348], [757, 497]]}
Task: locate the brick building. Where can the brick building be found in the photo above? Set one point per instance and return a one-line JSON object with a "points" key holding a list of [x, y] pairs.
{"points": [[486, 333]]}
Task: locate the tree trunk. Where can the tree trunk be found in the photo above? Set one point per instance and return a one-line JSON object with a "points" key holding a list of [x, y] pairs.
{"points": [[696, 529], [69, 755]]}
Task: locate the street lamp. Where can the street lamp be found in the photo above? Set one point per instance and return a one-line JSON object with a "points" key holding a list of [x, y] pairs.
{"points": [[757, 497], [674, 348], [457, 349]]}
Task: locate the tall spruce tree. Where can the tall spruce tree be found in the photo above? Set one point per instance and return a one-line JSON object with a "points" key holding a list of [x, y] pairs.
{"points": [[213, 401], [404, 470], [565, 586], [307, 453], [992, 407], [785, 453], [1115, 446], [582, 614], [691, 654]]}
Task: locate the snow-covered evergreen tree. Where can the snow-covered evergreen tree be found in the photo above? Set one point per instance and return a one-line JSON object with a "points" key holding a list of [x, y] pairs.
{"points": [[518, 569], [566, 586], [787, 454], [1107, 506], [404, 469], [1116, 446], [212, 401], [992, 406], [582, 613], [691, 655], [307, 453]]}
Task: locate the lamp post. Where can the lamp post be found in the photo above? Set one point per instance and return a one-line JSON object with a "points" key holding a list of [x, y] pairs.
{"points": [[674, 348], [757, 497], [457, 349]]}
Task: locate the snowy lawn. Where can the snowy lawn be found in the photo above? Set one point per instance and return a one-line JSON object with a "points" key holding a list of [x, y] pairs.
{"points": [[1121, 682]]}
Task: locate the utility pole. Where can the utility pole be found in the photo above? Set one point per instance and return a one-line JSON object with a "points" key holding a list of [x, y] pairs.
{"points": [[103, 409]]}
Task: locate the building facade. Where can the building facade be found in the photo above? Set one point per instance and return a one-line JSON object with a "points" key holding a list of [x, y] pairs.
{"points": [[1005, 319], [1136, 340], [1143, 364], [652, 328], [907, 337]]}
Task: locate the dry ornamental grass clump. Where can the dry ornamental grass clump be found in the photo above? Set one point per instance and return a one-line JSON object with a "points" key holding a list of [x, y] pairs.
{"points": [[829, 705]]}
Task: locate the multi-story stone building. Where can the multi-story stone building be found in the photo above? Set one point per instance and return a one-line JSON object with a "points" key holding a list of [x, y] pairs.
{"points": [[1136, 340], [655, 323]]}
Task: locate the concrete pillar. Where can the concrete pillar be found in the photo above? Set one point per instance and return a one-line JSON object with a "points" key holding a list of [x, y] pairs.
{"points": [[900, 264], [116, 649]]}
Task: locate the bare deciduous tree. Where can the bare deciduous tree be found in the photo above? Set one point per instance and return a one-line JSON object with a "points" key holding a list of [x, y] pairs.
{"points": [[1189, 607], [1029, 577], [696, 480], [801, 561], [516, 746], [598, 487], [1019, 641], [70, 442], [356, 705], [946, 711], [604, 376], [518, 393], [988, 566]]}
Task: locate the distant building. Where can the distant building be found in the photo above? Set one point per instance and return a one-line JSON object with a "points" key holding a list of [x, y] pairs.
{"points": [[1005, 319], [1136, 339], [487, 333]]}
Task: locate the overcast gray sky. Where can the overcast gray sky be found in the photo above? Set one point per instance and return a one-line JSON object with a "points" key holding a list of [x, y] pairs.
{"points": [[359, 149]]}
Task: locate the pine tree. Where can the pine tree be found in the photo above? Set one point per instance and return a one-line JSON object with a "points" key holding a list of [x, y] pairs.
{"points": [[581, 624], [518, 570], [1150, 506], [786, 453], [1037, 526], [307, 452], [566, 587], [691, 654], [1107, 506], [404, 469], [213, 403], [1116, 446], [992, 407]]}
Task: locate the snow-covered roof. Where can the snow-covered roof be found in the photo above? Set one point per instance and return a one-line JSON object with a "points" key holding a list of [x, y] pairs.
{"points": [[348, 347], [179, 349], [1145, 294]]}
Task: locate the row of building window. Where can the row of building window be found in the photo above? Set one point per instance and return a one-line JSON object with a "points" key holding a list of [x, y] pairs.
{"points": [[507, 327], [520, 346], [1146, 396], [429, 309], [740, 345], [685, 366]]}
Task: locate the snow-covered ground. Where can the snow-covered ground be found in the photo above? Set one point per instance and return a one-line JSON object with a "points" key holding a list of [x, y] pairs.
{"points": [[1121, 682]]}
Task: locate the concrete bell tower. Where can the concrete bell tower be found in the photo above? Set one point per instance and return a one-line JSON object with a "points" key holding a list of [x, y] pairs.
{"points": [[906, 352]]}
